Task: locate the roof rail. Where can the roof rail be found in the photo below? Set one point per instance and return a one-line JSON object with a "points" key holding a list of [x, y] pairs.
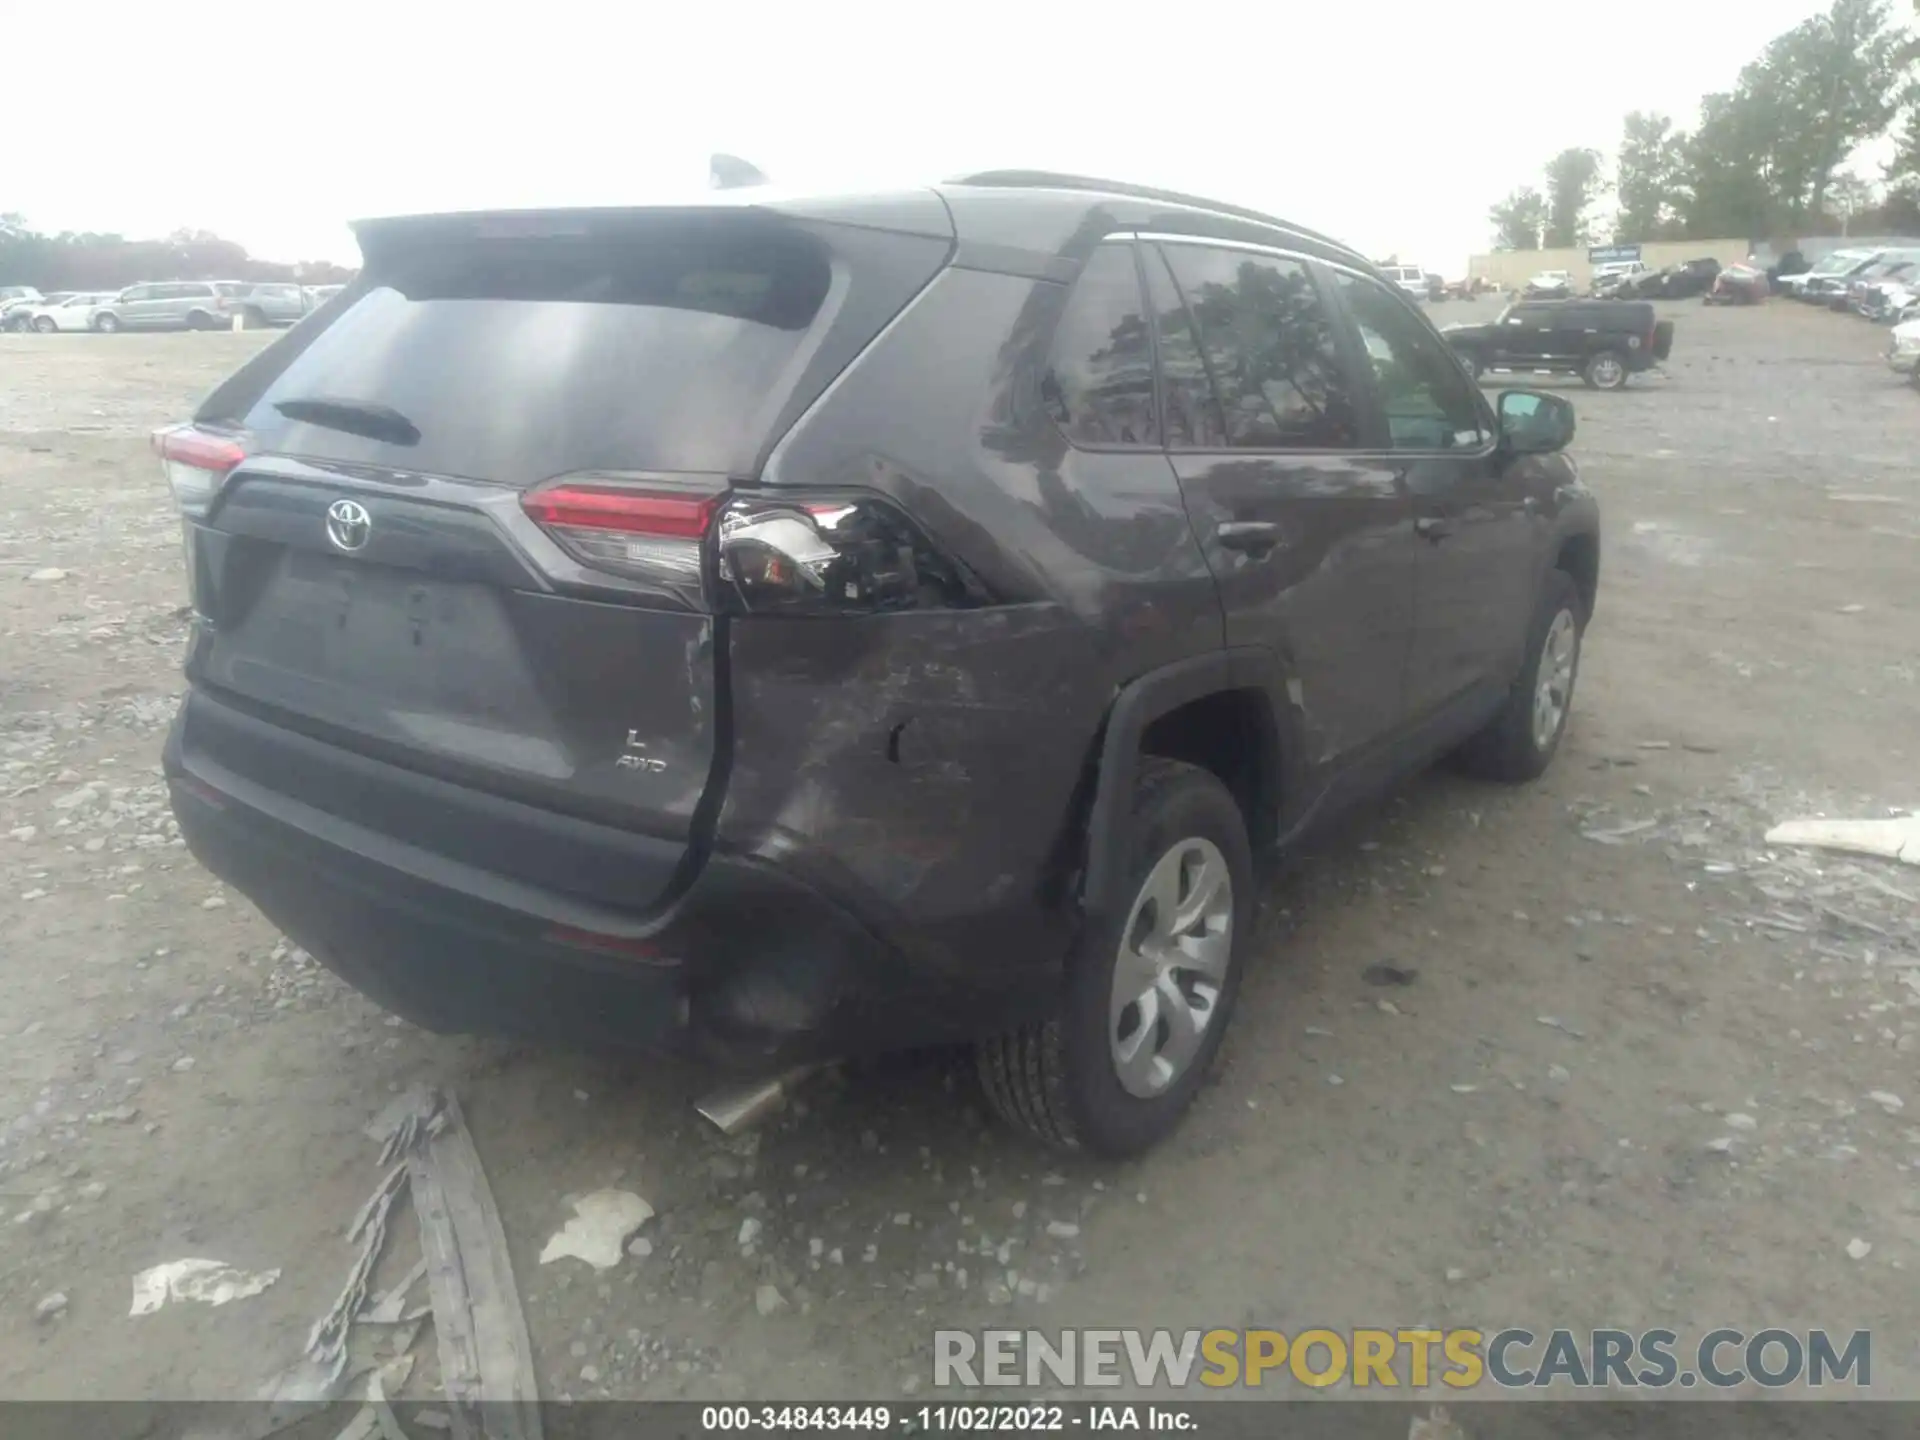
{"points": [[1053, 180]]}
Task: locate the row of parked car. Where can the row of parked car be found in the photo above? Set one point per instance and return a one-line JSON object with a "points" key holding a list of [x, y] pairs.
{"points": [[1882, 285], [1631, 280], [160, 305]]}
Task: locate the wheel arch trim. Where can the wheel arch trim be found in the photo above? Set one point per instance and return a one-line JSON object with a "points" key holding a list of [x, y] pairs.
{"points": [[1136, 705]]}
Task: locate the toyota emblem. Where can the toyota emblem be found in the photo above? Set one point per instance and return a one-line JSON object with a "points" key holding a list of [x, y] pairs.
{"points": [[348, 524]]}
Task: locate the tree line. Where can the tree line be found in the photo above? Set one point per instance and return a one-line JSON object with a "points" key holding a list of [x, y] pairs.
{"points": [[87, 260], [1767, 159]]}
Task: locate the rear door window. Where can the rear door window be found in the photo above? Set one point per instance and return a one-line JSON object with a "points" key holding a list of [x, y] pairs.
{"points": [[1099, 381], [519, 359], [1267, 344]]}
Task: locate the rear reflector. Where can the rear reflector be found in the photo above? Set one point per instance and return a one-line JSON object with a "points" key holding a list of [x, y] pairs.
{"points": [[196, 463], [650, 535]]}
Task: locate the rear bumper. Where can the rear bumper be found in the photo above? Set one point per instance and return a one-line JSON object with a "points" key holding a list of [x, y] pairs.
{"points": [[748, 966]]}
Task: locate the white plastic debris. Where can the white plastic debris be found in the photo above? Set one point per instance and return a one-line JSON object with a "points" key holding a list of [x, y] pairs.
{"points": [[1887, 1101], [602, 1222], [1858, 1249], [211, 1282], [1896, 839]]}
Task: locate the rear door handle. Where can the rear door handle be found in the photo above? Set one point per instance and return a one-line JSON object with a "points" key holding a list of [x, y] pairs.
{"points": [[1250, 537], [1432, 527]]}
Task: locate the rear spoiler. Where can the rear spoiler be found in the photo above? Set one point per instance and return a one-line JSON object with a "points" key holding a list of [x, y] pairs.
{"points": [[909, 212]]}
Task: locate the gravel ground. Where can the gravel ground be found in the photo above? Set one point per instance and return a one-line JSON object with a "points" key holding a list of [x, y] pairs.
{"points": [[1632, 1080]]}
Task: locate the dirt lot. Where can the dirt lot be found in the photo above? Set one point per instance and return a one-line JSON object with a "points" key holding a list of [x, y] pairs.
{"points": [[175, 1083]]}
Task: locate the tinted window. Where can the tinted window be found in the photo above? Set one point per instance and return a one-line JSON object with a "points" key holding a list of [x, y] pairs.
{"points": [[1191, 411], [138, 292], [1099, 382], [233, 289], [1428, 401], [1269, 348], [521, 359]]}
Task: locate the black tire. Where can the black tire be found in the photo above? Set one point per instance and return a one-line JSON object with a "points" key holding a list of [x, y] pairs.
{"points": [[199, 320], [1472, 362], [1508, 748], [1605, 370], [1057, 1079], [44, 324], [253, 318], [106, 324]]}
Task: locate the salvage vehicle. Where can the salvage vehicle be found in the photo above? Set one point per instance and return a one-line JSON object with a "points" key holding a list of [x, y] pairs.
{"points": [[1829, 276], [1894, 268], [175, 305], [1885, 302], [1739, 285], [1549, 285], [17, 303], [71, 312], [266, 303], [1410, 278], [1790, 265], [1610, 277], [1903, 352], [1688, 279], [1603, 342], [898, 622]]}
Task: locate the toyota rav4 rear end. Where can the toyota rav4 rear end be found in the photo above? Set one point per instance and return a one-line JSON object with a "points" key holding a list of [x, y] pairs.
{"points": [[513, 694]]}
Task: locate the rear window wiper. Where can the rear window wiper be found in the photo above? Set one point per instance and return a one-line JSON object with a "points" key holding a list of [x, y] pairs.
{"points": [[353, 417]]}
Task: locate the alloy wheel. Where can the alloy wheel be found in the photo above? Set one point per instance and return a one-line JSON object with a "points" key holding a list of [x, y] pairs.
{"points": [[1553, 692]]}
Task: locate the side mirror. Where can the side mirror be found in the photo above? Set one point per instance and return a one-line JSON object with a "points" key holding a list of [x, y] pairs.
{"points": [[1534, 423]]}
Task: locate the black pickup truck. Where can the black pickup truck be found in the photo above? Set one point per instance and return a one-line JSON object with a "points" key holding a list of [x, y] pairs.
{"points": [[1604, 342]]}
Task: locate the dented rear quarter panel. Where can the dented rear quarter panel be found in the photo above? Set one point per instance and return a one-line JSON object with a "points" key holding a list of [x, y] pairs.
{"points": [[927, 767]]}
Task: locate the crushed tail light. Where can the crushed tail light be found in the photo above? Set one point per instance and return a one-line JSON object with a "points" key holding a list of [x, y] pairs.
{"points": [[832, 555], [822, 554], [196, 463]]}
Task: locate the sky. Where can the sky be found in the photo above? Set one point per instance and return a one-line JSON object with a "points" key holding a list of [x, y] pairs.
{"points": [[1391, 126]]}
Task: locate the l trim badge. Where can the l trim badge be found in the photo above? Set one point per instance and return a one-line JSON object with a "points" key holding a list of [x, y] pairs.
{"points": [[348, 524]]}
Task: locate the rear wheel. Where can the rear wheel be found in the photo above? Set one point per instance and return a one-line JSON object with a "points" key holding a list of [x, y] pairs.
{"points": [[1150, 986], [1520, 741], [1606, 371], [44, 324], [199, 320], [106, 324]]}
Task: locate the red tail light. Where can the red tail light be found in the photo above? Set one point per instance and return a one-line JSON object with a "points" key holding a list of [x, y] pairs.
{"points": [[651, 535], [809, 554], [196, 463]]}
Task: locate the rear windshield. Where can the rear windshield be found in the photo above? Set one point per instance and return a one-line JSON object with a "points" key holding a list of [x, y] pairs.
{"points": [[520, 359]]}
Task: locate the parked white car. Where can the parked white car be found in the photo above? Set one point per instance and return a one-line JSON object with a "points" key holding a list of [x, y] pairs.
{"points": [[1410, 278], [1615, 270], [1904, 354], [74, 312]]}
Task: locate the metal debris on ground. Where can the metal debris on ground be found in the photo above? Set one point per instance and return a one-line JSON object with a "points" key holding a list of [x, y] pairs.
{"points": [[210, 1282], [486, 1356], [1895, 839], [602, 1223], [327, 1341]]}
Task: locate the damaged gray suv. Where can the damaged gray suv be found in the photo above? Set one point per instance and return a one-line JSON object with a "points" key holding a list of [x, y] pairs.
{"points": [[792, 629]]}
